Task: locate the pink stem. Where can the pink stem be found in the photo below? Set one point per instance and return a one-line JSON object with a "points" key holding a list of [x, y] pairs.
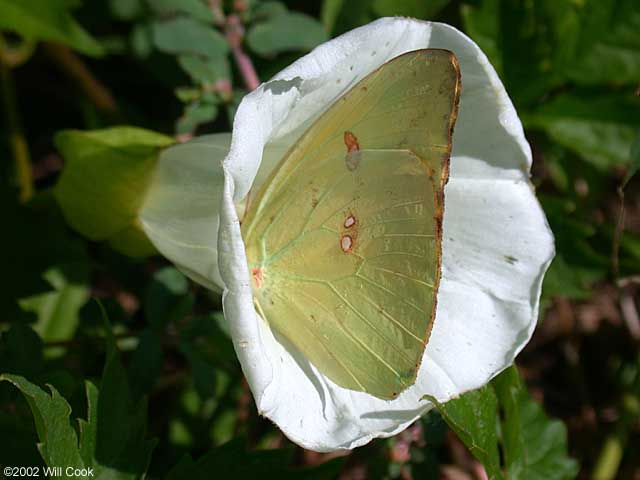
{"points": [[246, 68], [235, 32]]}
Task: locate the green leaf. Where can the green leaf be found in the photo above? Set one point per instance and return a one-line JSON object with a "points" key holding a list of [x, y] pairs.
{"points": [[132, 241], [194, 8], [206, 333], [585, 42], [188, 94], [545, 29], [600, 127], [630, 248], [104, 182], [233, 459], [113, 438], [58, 310], [482, 23], [265, 10], [205, 70], [182, 35], [424, 9], [608, 43], [576, 237], [346, 15], [565, 280], [165, 299], [195, 114], [146, 363], [329, 14], [208, 349], [474, 418], [141, 40], [16, 423], [126, 9], [47, 20], [534, 446], [529, 27], [293, 31], [202, 370], [29, 256], [234, 103], [58, 441]]}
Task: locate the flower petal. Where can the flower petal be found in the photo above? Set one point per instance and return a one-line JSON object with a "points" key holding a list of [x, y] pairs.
{"points": [[496, 246], [181, 209]]}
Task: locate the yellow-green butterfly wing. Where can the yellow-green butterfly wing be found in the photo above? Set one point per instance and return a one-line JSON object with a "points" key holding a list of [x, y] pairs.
{"points": [[344, 240]]}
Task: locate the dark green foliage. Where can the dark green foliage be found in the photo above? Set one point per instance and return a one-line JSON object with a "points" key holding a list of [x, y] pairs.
{"points": [[112, 440], [105, 181], [533, 446], [501, 417], [187, 35], [233, 459], [47, 20], [474, 418], [283, 32]]}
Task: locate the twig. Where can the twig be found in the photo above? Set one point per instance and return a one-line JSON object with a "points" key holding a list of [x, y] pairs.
{"points": [[74, 342], [234, 31], [75, 68], [14, 55], [607, 465], [218, 14], [608, 462], [630, 280], [17, 138], [630, 314], [617, 234]]}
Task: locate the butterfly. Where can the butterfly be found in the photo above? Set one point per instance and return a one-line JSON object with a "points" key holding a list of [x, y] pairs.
{"points": [[344, 239]]}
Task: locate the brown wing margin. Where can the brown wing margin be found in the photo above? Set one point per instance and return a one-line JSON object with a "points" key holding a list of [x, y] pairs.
{"points": [[439, 192]]}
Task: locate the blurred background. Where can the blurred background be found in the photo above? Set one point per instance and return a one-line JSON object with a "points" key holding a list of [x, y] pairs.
{"points": [[180, 67]]}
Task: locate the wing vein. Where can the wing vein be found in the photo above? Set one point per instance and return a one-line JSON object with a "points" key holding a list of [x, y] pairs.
{"points": [[322, 198], [409, 254], [402, 275], [394, 320], [327, 350], [362, 317], [391, 292], [421, 235]]}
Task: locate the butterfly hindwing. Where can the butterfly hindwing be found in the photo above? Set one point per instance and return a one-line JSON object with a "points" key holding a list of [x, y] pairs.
{"points": [[344, 240]]}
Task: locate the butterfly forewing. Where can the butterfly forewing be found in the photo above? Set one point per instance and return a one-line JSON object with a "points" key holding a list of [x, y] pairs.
{"points": [[344, 240]]}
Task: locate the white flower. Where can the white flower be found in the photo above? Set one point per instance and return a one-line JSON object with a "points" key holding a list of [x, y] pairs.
{"points": [[496, 248]]}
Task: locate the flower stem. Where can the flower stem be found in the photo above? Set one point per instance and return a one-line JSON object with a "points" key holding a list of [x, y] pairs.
{"points": [[246, 68], [216, 8], [74, 67], [17, 139], [608, 461], [234, 32], [617, 235]]}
